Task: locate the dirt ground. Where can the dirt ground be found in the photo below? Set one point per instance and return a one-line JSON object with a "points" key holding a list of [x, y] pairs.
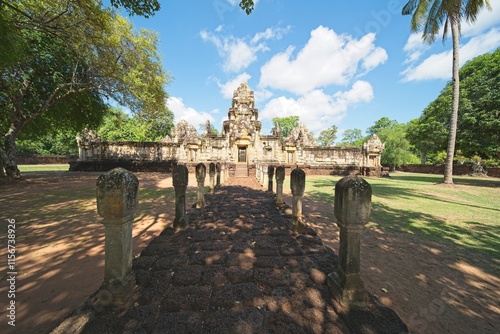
{"points": [[433, 287]]}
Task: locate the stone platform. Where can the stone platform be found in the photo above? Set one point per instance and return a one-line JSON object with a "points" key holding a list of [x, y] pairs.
{"points": [[237, 268]]}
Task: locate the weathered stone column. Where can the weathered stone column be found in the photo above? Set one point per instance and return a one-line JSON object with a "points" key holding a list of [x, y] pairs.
{"points": [[352, 209], [265, 178], [180, 181], [201, 173], [280, 177], [297, 185], [211, 172], [257, 171], [217, 168], [117, 199], [270, 175], [223, 173]]}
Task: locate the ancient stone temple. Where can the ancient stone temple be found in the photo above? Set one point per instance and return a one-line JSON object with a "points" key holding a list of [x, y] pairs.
{"points": [[240, 143]]}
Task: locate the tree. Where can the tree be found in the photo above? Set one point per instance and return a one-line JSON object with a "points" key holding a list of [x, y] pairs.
{"points": [[478, 116], [327, 137], [352, 137], [285, 125], [430, 15], [85, 51], [398, 150], [379, 125]]}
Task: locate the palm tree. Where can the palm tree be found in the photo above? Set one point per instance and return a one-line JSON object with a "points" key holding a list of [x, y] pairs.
{"points": [[430, 15]]}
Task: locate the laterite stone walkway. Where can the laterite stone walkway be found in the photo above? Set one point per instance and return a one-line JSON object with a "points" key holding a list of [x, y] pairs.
{"points": [[238, 268]]}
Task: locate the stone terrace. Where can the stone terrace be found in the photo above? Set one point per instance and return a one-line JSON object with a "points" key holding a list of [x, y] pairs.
{"points": [[238, 268]]}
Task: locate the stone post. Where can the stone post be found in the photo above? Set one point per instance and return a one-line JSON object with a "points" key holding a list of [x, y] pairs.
{"points": [[217, 168], [265, 177], [201, 173], [211, 172], [297, 185], [117, 199], [270, 175], [257, 171], [223, 173], [352, 209], [180, 181], [280, 177]]}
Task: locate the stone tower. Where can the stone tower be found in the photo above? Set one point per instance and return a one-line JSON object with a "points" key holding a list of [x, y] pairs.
{"points": [[242, 129]]}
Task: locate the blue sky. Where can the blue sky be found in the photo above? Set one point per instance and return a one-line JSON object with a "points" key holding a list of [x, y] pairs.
{"points": [[331, 63]]}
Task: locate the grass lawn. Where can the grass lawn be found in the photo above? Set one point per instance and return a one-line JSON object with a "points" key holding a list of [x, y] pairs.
{"points": [[43, 168], [466, 214]]}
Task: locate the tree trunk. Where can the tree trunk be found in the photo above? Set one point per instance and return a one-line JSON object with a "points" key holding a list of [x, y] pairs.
{"points": [[450, 152], [9, 156]]}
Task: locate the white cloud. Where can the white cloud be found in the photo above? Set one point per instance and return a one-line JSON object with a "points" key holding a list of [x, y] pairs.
{"points": [[438, 66], [317, 109], [327, 58], [190, 115], [239, 53], [227, 89]]}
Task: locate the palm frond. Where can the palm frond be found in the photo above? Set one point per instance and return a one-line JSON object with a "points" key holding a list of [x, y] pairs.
{"points": [[474, 7]]}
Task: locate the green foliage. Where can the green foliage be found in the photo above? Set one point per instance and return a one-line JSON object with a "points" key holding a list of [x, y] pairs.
{"points": [[478, 117], [247, 6], [352, 137], [118, 126], [379, 125], [397, 150], [144, 8], [70, 57], [327, 137], [286, 124]]}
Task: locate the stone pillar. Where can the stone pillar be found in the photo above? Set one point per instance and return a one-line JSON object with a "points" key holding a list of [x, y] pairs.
{"points": [[265, 177], [297, 185], [211, 169], [280, 177], [257, 171], [117, 199], [201, 173], [270, 175], [223, 173], [217, 168], [180, 181], [352, 209]]}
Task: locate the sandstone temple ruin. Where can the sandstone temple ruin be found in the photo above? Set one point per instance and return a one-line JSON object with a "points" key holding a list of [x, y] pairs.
{"points": [[241, 144]]}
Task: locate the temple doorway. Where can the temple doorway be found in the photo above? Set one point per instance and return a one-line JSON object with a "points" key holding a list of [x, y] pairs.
{"points": [[242, 154]]}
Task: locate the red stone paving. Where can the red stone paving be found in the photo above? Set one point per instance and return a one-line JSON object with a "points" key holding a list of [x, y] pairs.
{"points": [[238, 268]]}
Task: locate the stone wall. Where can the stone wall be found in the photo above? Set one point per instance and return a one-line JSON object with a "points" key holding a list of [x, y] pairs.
{"points": [[36, 159], [439, 169]]}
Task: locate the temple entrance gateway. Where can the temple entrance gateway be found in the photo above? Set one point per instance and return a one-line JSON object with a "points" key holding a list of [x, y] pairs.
{"points": [[242, 154]]}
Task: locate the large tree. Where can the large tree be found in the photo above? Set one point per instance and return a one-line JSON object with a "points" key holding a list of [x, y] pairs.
{"points": [[327, 137], [429, 16], [478, 132], [352, 137], [285, 125], [83, 50]]}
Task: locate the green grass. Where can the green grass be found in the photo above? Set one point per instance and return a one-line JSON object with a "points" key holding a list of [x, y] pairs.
{"points": [[43, 168], [467, 214]]}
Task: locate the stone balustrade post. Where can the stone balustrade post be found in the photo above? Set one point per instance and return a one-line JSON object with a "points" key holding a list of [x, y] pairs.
{"points": [[261, 180], [218, 170], [270, 176], [257, 170], [180, 181], [222, 173], [265, 177], [352, 209], [201, 173], [297, 185], [117, 199], [280, 178], [211, 170]]}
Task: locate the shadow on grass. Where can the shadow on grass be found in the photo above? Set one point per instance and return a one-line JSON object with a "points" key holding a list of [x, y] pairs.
{"points": [[473, 235]]}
